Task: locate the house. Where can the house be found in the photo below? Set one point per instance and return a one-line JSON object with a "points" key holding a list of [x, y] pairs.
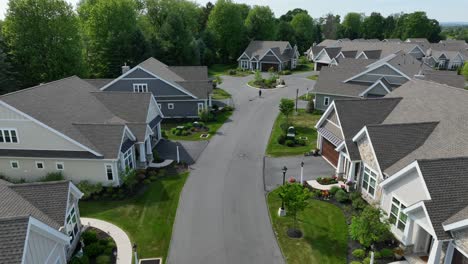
{"points": [[39, 222], [408, 155], [445, 60], [371, 78], [181, 91], [264, 55], [72, 127]]}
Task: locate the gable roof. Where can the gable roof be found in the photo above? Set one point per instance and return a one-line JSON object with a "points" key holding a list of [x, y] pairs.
{"points": [[391, 142], [192, 73], [13, 232], [258, 48], [356, 113]]}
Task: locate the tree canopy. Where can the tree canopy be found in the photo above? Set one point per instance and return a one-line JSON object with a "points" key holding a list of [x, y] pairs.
{"points": [[261, 23]]}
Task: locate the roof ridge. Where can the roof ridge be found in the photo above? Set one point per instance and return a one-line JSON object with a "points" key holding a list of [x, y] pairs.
{"points": [[101, 124], [39, 183], [440, 84], [402, 124], [40, 85], [368, 99], [441, 159], [8, 218], [119, 92]]}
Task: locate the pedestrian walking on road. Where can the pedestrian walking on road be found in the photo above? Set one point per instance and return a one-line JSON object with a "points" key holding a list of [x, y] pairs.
{"points": [[259, 92]]}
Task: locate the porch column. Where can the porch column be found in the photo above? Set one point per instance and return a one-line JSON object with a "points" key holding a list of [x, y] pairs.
{"points": [[210, 103], [449, 253], [436, 250], [142, 152], [408, 233], [339, 167], [351, 171], [315, 66], [149, 151]]}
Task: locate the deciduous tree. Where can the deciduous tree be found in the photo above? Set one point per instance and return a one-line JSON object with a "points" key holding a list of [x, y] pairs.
{"points": [[286, 107], [351, 26], [261, 23], [305, 30], [373, 26], [295, 198], [367, 228]]}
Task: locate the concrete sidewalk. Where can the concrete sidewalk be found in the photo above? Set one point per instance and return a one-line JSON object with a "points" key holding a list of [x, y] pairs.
{"points": [[124, 247]]}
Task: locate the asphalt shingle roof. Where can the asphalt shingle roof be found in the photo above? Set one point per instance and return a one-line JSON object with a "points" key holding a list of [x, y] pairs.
{"points": [[12, 238], [257, 48]]}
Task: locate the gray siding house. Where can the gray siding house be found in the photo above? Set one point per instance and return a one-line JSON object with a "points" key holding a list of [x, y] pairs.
{"points": [[39, 222], [180, 91], [264, 55]]}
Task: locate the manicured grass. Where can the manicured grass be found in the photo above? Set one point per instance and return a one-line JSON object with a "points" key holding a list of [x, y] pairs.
{"points": [[312, 77], [219, 94], [213, 126], [147, 218], [304, 67], [223, 69], [304, 124], [307, 97], [323, 226]]}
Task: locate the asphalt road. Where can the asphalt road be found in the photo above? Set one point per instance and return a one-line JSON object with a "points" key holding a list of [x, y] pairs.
{"points": [[222, 216]]}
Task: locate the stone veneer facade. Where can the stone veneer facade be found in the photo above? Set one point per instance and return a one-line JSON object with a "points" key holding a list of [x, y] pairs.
{"points": [[368, 158]]}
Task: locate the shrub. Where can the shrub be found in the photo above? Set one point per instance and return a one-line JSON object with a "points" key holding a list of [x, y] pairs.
{"points": [[289, 143], [366, 261], [232, 72], [146, 181], [174, 130], [342, 196], [53, 176], [215, 107], [80, 260], [359, 253], [163, 134], [355, 262], [89, 189], [206, 116], [367, 228], [310, 106], [103, 259], [185, 133], [386, 253], [286, 72], [334, 189], [93, 250], [89, 237], [282, 139], [130, 178], [300, 142], [377, 255], [268, 82]]}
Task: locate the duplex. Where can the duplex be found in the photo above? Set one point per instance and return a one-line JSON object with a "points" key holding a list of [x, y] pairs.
{"points": [[266, 55], [39, 222], [408, 155], [70, 126]]}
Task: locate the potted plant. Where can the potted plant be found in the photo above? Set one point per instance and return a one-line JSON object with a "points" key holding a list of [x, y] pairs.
{"points": [[398, 252]]}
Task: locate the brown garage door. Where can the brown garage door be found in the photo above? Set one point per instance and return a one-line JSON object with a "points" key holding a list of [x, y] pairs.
{"points": [[267, 66], [329, 152]]}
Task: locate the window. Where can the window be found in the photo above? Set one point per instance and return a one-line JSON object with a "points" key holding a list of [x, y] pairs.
{"points": [[59, 166], [140, 87], [244, 64], [200, 107], [39, 165], [326, 101], [8, 136], [396, 215], [72, 224], [159, 106], [14, 164], [128, 158], [170, 106], [369, 180], [109, 172]]}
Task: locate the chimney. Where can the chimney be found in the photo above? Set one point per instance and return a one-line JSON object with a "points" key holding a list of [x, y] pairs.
{"points": [[125, 68]]}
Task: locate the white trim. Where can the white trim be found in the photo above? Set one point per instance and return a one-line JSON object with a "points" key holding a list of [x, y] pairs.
{"points": [[340, 147], [49, 232], [403, 172], [17, 164], [73, 189], [137, 86], [421, 205], [371, 69], [364, 166], [325, 114], [456, 225], [150, 73], [361, 133], [400, 211], [362, 53], [420, 49], [260, 58], [49, 128], [326, 100], [112, 170], [132, 136], [170, 106], [2, 132], [243, 55], [59, 163], [40, 162], [329, 58], [373, 85], [158, 106]]}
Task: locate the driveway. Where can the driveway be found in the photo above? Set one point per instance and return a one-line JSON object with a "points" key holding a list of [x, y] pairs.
{"points": [[314, 167], [189, 151], [222, 215]]}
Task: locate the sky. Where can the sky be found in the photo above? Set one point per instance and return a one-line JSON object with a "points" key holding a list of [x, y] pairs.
{"points": [[444, 11]]}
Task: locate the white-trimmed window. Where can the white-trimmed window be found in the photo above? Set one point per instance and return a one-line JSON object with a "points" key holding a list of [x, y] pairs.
{"points": [[128, 158], [72, 224], [326, 101], [396, 215], [8, 135], [201, 107], [59, 166], [369, 181], [109, 172], [40, 165], [170, 106], [14, 164], [244, 64], [140, 87]]}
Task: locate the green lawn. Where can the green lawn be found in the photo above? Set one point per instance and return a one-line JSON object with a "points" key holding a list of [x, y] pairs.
{"points": [[306, 97], [304, 124], [304, 67], [324, 228], [147, 218], [219, 94], [223, 69], [213, 126], [312, 77]]}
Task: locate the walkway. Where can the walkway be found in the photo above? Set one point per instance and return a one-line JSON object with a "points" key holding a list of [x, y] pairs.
{"points": [[124, 247], [222, 215]]}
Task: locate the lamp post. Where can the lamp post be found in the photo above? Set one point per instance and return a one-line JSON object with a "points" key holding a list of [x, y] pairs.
{"points": [[281, 211], [302, 171], [135, 250]]}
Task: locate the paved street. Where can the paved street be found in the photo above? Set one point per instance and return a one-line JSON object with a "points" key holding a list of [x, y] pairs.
{"points": [[222, 215]]}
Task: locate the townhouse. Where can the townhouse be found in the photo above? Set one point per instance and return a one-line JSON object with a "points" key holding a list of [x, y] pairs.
{"points": [[266, 55], [408, 155], [39, 222], [72, 127]]}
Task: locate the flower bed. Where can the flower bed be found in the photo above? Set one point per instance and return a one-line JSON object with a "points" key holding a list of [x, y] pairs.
{"points": [[327, 180]]}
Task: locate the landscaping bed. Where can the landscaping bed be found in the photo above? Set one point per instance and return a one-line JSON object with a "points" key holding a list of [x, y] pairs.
{"points": [[187, 130], [99, 248], [147, 215], [220, 94], [227, 69], [303, 123], [265, 83]]}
